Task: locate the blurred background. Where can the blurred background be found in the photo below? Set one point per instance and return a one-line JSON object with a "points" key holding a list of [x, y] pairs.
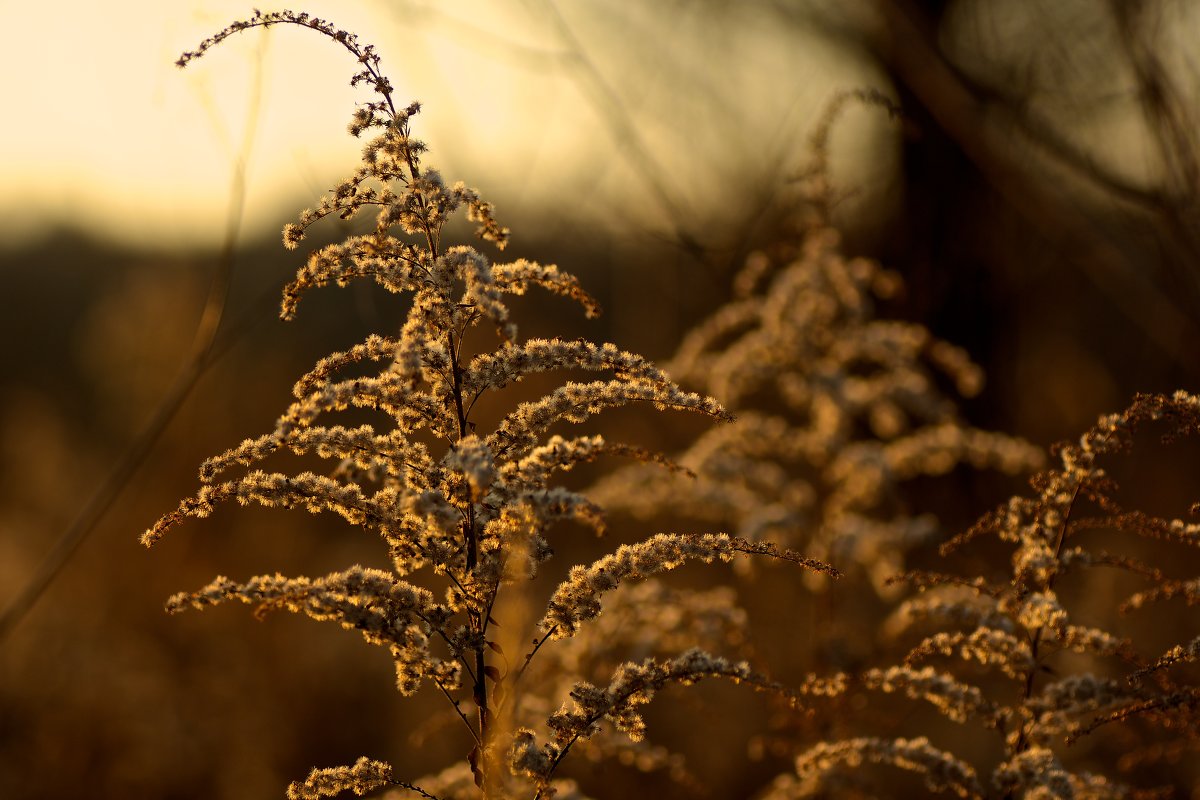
{"points": [[1039, 193]]}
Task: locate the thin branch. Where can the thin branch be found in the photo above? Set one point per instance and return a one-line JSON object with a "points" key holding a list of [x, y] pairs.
{"points": [[459, 711], [537, 645], [414, 788], [610, 108], [204, 355]]}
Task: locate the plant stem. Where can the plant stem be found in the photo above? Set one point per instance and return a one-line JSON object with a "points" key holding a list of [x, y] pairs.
{"points": [[1022, 743]]}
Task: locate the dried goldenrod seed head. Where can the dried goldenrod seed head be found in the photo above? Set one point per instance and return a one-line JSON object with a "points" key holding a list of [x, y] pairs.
{"points": [[457, 507]]}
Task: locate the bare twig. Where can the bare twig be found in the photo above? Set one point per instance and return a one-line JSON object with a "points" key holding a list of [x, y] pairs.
{"points": [[204, 354]]}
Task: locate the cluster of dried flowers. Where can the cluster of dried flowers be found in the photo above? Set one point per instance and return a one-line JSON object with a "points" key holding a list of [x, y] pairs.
{"points": [[453, 505], [1017, 658], [837, 409]]}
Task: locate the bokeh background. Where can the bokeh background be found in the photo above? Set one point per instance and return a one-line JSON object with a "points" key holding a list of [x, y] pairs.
{"points": [[1040, 194]]}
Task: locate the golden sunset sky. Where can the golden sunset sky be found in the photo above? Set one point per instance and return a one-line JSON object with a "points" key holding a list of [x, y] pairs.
{"points": [[104, 133]]}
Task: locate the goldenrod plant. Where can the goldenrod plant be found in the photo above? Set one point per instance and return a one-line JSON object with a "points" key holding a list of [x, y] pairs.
{"points": [[1013, 673], [840, 409], [837, 408], [1038, 667], [464, 514]]}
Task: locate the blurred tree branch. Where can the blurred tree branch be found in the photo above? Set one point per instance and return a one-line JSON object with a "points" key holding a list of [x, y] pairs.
{"points": [[985, 133]]}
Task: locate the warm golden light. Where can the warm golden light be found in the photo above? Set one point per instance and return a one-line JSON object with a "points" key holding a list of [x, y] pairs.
{"points": [[106, 134], [784, 297]]}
